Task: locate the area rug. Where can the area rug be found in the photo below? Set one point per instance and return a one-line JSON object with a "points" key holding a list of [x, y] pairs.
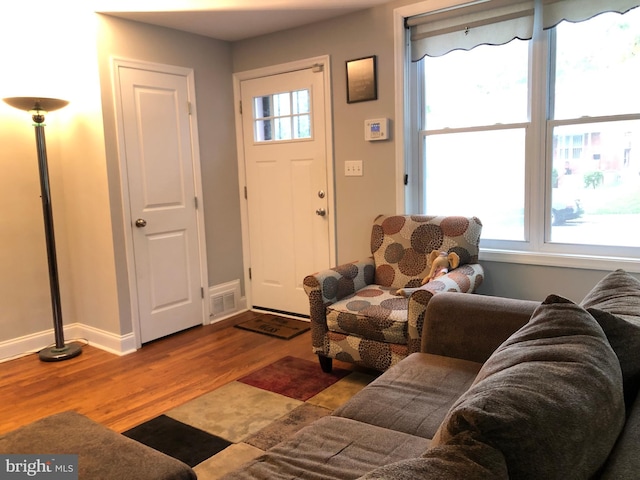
{"points": [[275, 326], [184, 442], [294, 377], [219, 431]]}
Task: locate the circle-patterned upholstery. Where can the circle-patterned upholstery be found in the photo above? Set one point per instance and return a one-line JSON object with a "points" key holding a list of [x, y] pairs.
{"points": [[356, 312], [373, 312], [400, 245]]}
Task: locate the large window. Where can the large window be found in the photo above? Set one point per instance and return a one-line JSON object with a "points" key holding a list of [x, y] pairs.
{"points": [[476, 114], [593, 130], [539, 136]]}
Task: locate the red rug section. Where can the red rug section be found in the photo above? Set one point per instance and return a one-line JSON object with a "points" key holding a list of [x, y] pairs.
{"points": [[294, 377]]}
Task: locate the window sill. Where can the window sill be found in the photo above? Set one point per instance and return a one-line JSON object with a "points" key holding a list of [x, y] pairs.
{"points": [[631, 265]]}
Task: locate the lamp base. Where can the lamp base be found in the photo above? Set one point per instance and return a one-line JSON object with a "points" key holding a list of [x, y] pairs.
{"points": [[53, 354]]}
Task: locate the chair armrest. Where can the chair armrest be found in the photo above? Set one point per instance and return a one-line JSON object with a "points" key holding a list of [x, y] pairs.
{"points": [[339, 282], [471, 327], [329, 286], [465, 279]]}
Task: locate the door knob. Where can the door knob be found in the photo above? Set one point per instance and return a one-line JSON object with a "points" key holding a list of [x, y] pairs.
{"points": [[321, 212], [141, 222]]}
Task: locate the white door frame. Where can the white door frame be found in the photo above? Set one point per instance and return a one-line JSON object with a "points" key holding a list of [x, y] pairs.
{"points": [[116, 64], [315, 62]]}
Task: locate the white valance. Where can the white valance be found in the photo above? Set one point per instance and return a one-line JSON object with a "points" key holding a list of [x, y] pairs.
{"points": [[496, 22], [493, 22], [555, 11]]}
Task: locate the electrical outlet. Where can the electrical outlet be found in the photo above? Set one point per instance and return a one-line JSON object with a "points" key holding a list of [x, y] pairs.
{"points": [[353, 168]]}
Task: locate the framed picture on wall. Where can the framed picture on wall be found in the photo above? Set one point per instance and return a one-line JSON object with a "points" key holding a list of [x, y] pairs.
{"points": [[362, 80]]}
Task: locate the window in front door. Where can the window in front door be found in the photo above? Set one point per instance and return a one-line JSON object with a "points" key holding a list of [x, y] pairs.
{"points": [[282, 116]]}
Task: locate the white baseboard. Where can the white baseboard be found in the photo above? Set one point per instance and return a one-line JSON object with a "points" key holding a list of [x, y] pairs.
{"points": [[226, 297], [110, 342], [33, 343]]}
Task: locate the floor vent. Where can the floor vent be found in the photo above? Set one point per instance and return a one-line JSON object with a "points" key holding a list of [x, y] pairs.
{"points": [[223, 299], [224, 303]]}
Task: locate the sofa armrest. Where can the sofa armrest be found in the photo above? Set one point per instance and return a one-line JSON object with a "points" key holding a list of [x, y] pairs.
{"points": [[465, 279], [471, 327], [329, 286]]}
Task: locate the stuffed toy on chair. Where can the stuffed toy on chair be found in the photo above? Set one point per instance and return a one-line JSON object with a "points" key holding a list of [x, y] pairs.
{"points": [[439, 263]]}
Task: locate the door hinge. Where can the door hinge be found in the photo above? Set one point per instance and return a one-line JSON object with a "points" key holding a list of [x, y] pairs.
{"points": [[406, 179], [317, 68], [195, 202], [249, 273], [245, 193], [202, 292], [189, 108], [240, 106]]}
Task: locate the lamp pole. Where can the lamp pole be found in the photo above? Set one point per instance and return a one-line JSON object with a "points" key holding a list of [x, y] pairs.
{"points": [[38, 107]]}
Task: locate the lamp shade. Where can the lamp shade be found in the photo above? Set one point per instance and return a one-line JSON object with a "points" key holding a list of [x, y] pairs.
{"points": [[41, 104]]}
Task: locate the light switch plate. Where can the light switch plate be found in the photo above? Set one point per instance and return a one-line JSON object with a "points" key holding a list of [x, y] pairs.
{"points": [[353, 168]]}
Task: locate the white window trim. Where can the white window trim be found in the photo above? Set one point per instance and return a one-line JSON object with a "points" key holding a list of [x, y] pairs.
{"points": [[533, 199]]}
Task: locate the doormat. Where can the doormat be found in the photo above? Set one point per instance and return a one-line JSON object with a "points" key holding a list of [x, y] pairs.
{"points": [[275, 326]]}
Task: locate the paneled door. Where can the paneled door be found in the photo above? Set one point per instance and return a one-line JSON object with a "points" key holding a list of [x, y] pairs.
{"points": [[285, 153], [159, 158]]}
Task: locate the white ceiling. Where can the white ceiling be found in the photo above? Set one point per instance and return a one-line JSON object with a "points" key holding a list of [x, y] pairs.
{"points": [[231, 20]]}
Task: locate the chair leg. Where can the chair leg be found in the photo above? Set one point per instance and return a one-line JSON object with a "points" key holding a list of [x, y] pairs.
{"points": [[325, 363]]}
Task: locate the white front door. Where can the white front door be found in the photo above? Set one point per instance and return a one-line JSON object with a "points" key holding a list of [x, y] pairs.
{"points": [[159, 158], [289, 214]]}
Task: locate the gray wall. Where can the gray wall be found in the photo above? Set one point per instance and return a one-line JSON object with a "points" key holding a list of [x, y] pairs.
{"points": [[535, 282], [211, 61], [95, 292], [77, 169], [360, 199]]}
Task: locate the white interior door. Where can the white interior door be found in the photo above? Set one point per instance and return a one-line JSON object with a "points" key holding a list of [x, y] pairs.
{"points": [[159, 154], [284, 140]]}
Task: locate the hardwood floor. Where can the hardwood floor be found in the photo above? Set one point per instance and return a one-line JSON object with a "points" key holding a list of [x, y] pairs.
{"points": [[123, 391]]}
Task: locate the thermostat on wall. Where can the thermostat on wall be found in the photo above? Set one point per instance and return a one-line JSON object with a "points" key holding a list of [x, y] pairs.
{"points": [[376, 129]]}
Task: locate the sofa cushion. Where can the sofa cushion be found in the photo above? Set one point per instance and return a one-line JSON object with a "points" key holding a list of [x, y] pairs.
{"points": [[615, 303], [464, 457], [617, 293], [102, 453], [624, 338], [372, 312], [400, 245], [332, 448], [549, 398], [624, 462], [414, 396]]}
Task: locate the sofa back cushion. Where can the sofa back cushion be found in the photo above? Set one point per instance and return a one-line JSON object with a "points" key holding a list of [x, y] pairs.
{"points": [[400, 245], [624, 338], [617, 293], [624, 462], [549, 398], [615, 303]]}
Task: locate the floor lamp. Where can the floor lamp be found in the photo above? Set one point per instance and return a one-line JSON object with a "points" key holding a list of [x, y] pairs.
{"points": [[38, 107]]}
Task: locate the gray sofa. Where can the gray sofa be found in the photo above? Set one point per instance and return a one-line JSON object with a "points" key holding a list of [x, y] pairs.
{"points": [[102, 454], [501, 389]]}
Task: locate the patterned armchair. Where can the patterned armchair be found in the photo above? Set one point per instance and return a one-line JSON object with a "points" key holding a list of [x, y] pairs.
{"points": [[356, 315]]}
